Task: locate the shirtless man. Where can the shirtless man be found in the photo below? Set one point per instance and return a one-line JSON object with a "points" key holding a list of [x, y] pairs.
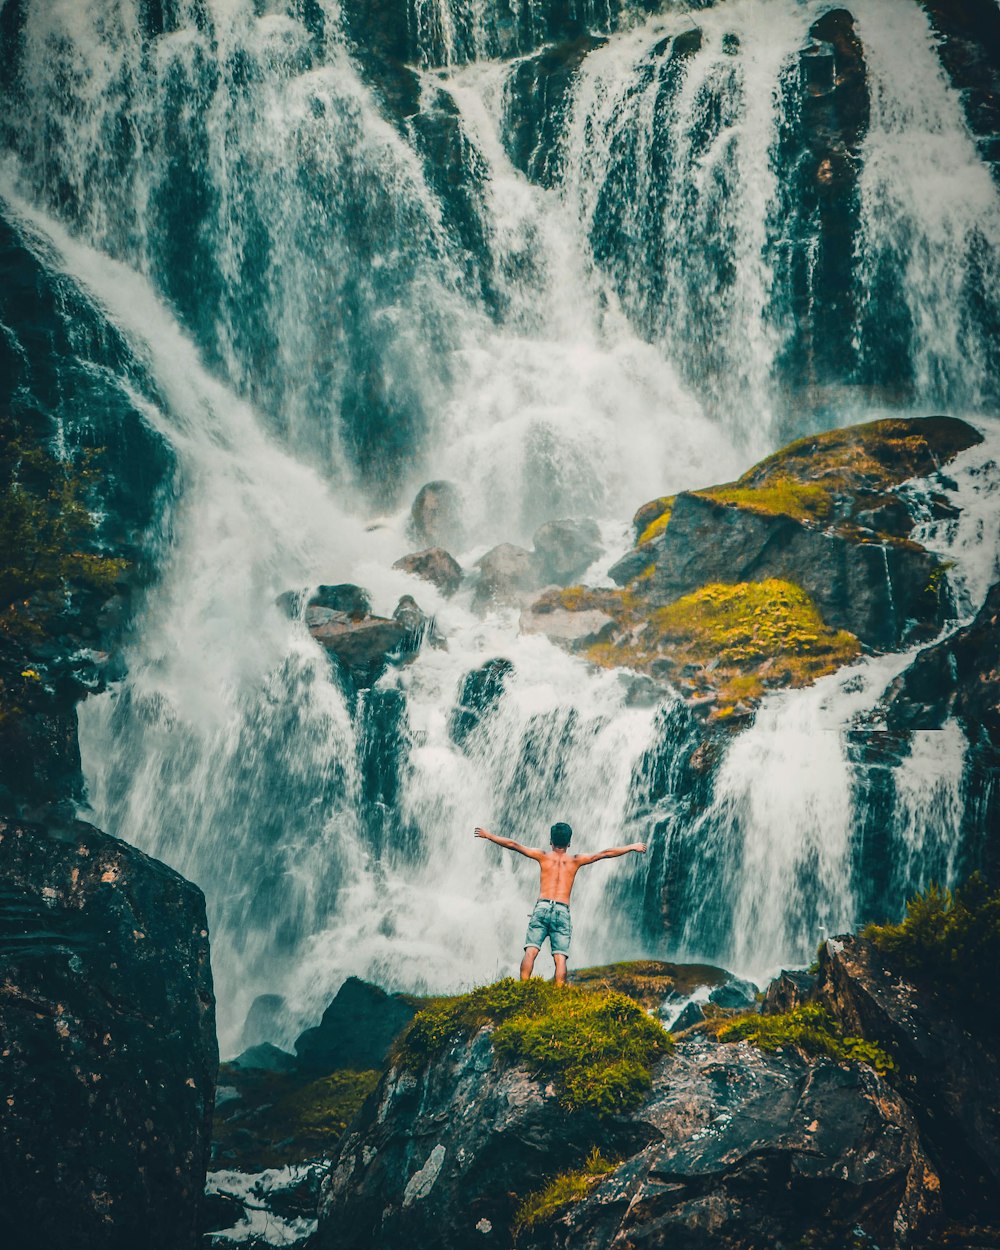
{"points": [[551, 918]]}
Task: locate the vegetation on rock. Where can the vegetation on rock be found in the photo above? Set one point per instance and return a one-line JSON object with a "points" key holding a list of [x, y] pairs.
{"points": [[597, 1046], [733, 641], [49, 539], [811, 1029], [566, 1188], [660, 522], [278, 1120], [952, 939]]}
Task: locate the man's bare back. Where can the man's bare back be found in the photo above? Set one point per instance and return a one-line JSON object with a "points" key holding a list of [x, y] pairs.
{"points": [[557, 869]]}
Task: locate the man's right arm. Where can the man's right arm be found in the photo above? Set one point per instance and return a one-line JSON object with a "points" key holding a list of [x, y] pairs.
{"points": [[611, 853], [509, 844]]}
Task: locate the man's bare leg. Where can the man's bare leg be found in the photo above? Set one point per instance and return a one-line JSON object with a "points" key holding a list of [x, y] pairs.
{"points": [[560, 961], [528, 962]]}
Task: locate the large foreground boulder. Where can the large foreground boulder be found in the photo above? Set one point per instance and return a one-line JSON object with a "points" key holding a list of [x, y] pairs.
{"points": [[948, 1074], [107, 1025], [731, 1148]]}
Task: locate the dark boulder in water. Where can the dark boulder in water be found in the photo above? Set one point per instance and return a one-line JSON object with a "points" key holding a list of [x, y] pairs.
{"points": [[353, 600], [362, 646], [356, 1030], [436, 515], [434, 565], [565, 549], [108, 1023], [957, 677], [481, 691]]}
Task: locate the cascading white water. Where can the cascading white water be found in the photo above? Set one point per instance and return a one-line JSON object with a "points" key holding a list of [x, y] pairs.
{"points": [[250, 188], [929, 251]]}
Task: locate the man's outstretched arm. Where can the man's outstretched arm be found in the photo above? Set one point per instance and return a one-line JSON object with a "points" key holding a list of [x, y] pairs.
{"points": [[611, 852], [509, 844]]}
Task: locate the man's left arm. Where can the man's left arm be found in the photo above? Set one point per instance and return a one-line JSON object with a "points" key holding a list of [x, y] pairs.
{"points": [[611, 853], [509, 844]]}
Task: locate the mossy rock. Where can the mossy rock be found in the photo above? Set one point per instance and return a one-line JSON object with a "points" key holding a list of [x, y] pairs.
{"points": [[727, 643], [650, 981], [849, 474], [597, 1046]]}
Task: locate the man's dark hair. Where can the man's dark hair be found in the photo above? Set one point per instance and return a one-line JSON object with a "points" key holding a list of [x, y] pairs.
{"points": [[561, 834]]}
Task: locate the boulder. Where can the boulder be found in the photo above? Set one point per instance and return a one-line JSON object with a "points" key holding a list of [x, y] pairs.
{"points": [[690, 1015], [564, 550], [481, 691], [884, 593], [108, 1024], [353, 601], [363, 646], [436, 515], [263, 1020], [949, 1077], [731, 1148], [507, 575], [264, 1058], [434, 565], [735, 995], [572, 630], [787, 991], [356, 1030]]}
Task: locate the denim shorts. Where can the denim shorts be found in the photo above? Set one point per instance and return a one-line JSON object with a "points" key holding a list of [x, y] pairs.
{"points": [[550, 920]]}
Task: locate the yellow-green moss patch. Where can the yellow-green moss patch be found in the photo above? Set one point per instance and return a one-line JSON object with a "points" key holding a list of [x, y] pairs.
{"points": [[660, 522], [651, 512], [805, 501], [598, 1047], [809, 1028], [561, 1192], [733, 641]]}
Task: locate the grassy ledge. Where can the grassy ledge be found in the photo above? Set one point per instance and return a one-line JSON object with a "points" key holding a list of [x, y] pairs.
{"points": [[809, 1028], [597, 1046], [561, 1191]]}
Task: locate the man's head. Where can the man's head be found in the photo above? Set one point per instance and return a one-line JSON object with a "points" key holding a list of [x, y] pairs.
{"points": [[561, 834]]}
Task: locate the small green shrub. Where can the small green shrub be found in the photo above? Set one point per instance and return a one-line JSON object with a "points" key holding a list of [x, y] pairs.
{"points": [[951, 939], [811, 1029], [597, 1046], [566, 1188]]}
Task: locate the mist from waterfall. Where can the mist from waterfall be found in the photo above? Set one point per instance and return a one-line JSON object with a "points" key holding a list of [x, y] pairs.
{"points": [[318, 325]]}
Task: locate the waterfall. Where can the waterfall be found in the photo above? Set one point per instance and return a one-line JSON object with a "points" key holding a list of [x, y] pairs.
{"points": [[571, 260]]}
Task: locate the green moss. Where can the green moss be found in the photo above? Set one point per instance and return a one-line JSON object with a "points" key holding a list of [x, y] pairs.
{"points": [[953, 941], [659, 523], [809, 1028], [561, 1192], [49, 538], [805, 501], [598, 1047], [649, 513], [277, 1120]]}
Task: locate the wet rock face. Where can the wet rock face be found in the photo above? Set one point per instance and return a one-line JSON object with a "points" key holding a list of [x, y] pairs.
{"points": [[958, 677], [507, 575], [107, 1020], [950, 1078], [876, 591], [481, 691], [732, 1148]]}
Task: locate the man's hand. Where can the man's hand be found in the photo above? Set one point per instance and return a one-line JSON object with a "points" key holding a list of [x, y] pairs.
{"points": [[638, 846], [482, 833]]}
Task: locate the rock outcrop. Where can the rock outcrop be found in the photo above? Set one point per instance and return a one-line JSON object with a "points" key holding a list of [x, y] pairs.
{"points": [[356, 1030], [730, 1148], [434, 565], [340, 619], [436, 515], [948, 1075], [507, 576], [565, 549], [108, 1035]]}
